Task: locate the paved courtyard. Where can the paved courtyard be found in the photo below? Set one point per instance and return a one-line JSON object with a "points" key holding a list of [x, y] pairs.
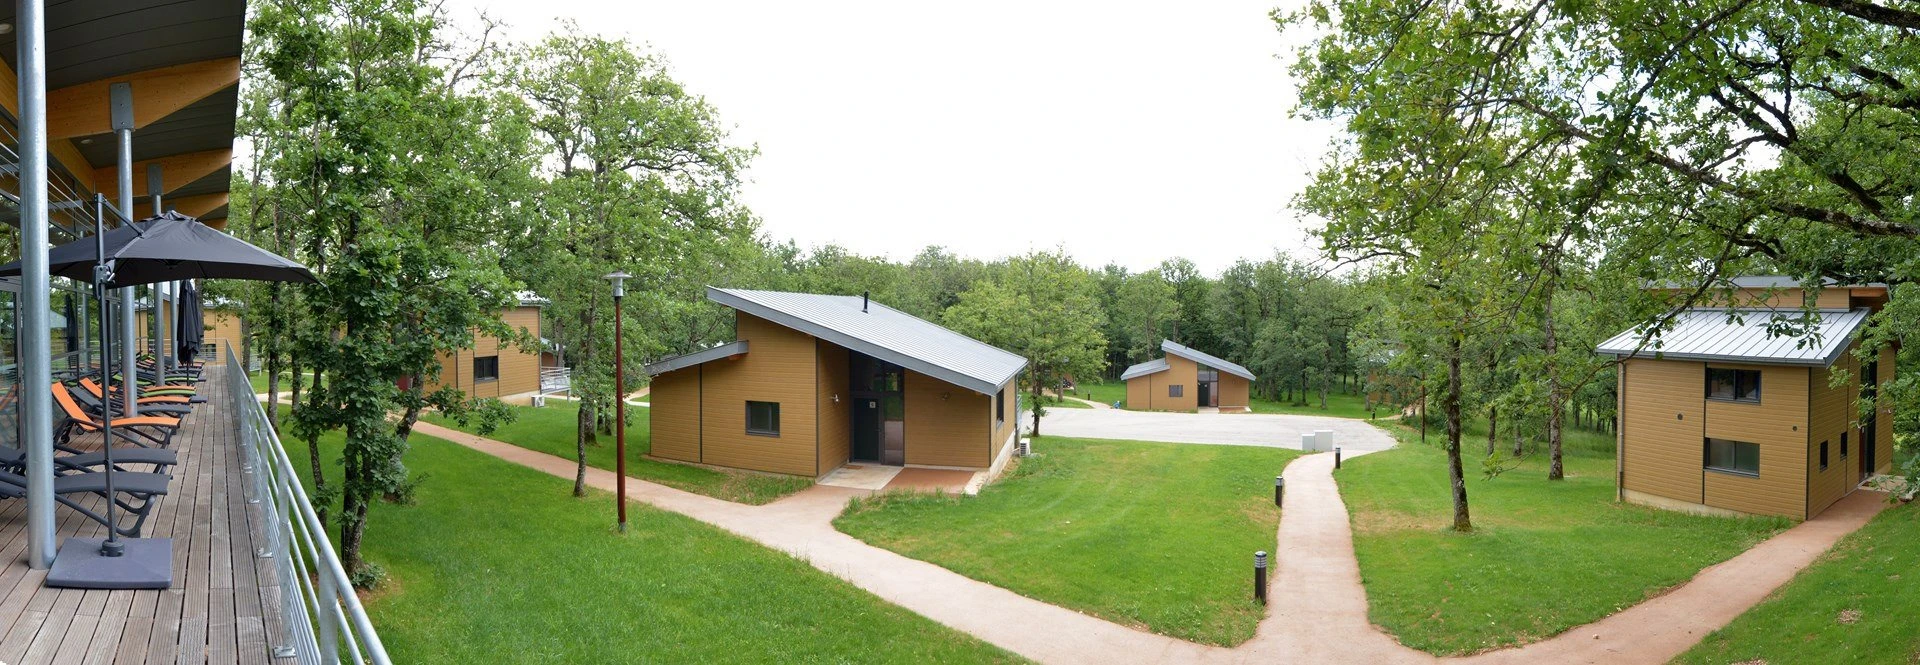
{"points": [[1239, 429]]}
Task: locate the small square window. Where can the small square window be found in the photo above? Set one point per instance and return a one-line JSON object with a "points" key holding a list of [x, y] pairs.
{"points": [[763, 418], [1823, 455], [1176, 390], [486, 368]]}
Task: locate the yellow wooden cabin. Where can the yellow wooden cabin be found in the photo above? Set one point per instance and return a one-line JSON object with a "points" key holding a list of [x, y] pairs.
{"points": [[1719, 416]]}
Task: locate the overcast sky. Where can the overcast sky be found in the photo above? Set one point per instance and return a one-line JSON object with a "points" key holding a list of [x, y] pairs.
{"points": [[1126, 132]]}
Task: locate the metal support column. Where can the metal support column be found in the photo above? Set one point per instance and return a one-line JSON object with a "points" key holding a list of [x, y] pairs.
{"points": [[171, 360], [120, 95], [36, 353]]}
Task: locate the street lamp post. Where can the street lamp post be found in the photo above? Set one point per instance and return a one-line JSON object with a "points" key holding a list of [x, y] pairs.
{"points": [[619, 279]]}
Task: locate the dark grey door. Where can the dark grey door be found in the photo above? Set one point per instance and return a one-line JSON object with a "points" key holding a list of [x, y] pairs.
{"points": [[866, 429], [1206, 394]]}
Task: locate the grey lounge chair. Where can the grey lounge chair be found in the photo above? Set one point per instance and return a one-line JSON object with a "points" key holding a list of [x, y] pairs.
{"points": [[144, 488], [82, 462]]}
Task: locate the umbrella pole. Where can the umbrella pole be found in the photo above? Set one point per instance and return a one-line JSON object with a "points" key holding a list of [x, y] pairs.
{"points": [[101, 273]]}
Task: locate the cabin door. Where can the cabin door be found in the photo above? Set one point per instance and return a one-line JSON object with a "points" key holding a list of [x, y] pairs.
{"points": [[1206, 394], [866, 429]]}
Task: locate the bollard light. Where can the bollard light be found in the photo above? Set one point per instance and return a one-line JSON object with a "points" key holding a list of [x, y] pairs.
{"points": [[1336, 457], [1279, 490], [1260, 577]]}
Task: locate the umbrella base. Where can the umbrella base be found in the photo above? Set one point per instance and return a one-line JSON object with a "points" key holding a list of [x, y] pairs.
{"points": [[147, 563]]}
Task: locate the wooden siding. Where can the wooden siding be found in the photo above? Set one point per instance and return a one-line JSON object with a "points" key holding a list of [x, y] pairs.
{"points": [[1778, 424], [836, 415], [946, 425], [1233, 391], [1138, 388], [675, 416], [778, 367], [1662, 424], [519, 368], [1784, 298], [998, 438], [222, 329], [1149, 393], [1830, 416]]}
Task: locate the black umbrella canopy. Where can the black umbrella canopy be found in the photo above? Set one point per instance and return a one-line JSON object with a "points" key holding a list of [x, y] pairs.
{"points": [[190, 329], [167, 248]]}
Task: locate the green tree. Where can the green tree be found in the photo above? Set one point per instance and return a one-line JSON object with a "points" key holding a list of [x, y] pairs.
{"points": [[639, 178], [1042, 306], [1145, 309]]}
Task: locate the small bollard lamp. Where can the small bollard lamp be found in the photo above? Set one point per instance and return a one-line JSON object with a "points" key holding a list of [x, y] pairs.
{"points": [[1336, 457], [1279, 490], [1260, 577]]}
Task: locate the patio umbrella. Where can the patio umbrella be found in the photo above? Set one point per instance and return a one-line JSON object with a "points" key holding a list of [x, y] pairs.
{"points": [[191, 328], [165, 248], [157, 249]]}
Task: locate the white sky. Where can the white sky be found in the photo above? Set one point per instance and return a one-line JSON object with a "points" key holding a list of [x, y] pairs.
{"points": [[1127, 132]]}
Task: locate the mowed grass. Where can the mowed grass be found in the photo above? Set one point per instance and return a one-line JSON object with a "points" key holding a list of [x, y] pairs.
{"points": [[1544, 556], [1855, 605], [498, 563], [1154, 535], [550, 429], [1054, 402], [1339, 404], [259, 382]]}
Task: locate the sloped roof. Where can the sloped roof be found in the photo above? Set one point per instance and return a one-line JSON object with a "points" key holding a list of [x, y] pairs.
{"points": [[1709, 334], [882, 332], [728, 350], [1154, 366], [1204, 358]]}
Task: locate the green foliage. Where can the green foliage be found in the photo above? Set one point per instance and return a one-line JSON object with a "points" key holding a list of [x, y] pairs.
{"points": [[1158, 534], [1042, 306]]}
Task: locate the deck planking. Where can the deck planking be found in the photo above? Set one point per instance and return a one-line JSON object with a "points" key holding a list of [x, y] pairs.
{"points": [[223, 607]]}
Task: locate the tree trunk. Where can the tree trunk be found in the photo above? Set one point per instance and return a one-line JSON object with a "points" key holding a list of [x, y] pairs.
{"points": [[583, 428], [1554, 469], [1451, 404], [1036, 397]]}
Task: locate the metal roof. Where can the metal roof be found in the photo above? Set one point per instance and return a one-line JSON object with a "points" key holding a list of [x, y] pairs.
{"points": [[1741, 335], [1154, 366], [882, 332], [1203, 358], [727, 350], [1768, 282]]}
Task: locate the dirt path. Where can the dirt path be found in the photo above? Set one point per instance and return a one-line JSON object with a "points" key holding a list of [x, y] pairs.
{"points": [[1318, 610]]}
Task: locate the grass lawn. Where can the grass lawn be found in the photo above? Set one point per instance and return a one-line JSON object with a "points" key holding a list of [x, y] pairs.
{"points": [[1155, 535], [1544, 557], [259, 381], [499, 563], [1053, 402], [1855, 605], [1339, 405], [550, 429]]}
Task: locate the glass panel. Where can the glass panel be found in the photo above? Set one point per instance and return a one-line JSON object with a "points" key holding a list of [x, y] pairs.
{"points": [[9, 372], [1720, 383]]}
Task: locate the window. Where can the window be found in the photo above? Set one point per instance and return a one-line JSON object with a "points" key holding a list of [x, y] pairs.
{"points": [[1823, 455], [1843, 445], [1735, 457], [763, 418], [1735, 385], [209, 349], [1000, 407], [486, 368], [1176, 390]]}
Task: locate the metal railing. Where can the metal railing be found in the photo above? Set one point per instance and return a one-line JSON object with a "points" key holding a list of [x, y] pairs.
{"points": [[323, 615], [555, 380]]}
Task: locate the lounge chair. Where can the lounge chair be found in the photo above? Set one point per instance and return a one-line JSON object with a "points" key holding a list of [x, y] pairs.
{"points": [[147, 395], [82, 462], [92, 403], [158, 430], [144, 488]]}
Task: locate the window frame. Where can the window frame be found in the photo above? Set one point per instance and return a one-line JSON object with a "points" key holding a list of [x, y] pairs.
{"points": [[1741, 378], [1176, 390], [773, 417], [1823, 455], [1733, 452], [495, 376], [1843, 445], [1000, 407]]}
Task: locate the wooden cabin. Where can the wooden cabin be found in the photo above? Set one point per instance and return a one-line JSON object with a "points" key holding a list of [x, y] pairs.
{"points": [[1188, 380], [1720, 416], [811, 383]]}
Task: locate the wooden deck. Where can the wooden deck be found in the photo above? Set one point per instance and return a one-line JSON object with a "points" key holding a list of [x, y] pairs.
{"points": [[223, 608]]}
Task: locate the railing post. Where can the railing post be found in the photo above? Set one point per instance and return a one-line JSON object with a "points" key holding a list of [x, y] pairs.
{"points": [[330, 613]]}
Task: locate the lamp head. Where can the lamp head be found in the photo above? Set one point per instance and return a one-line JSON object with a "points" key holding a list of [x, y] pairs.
{"points": [[619, 279]]}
